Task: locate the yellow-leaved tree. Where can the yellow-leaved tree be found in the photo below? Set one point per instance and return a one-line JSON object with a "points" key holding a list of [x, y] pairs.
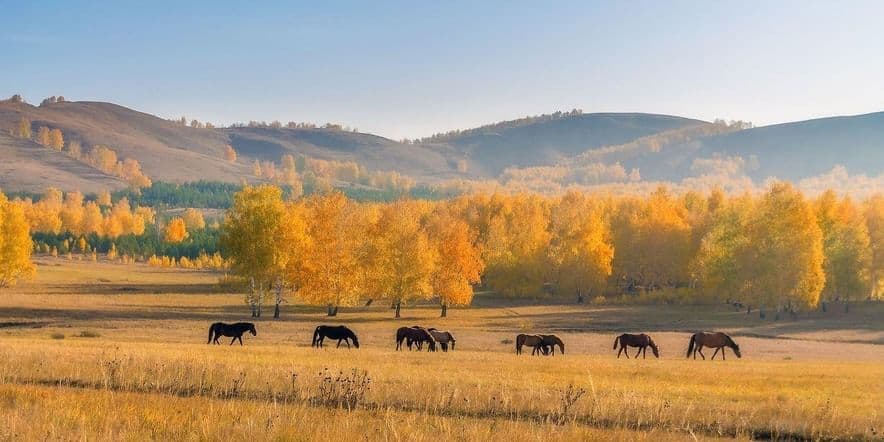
{"points": [[15, 243], [786, 249], [580, 251], [332, 273], [229, 153], [193, 219], [515, 248], [874, 215], [459, 263], [251, 237], [846, 247], [175, 230], [402, 258]]}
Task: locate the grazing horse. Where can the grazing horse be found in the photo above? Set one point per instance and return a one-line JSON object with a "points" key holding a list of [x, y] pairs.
{"points": [[716, 340], [413, 335], [641, 341], [551, 341], [339, 332], [444, 338], [531, 341], [219, 329]]}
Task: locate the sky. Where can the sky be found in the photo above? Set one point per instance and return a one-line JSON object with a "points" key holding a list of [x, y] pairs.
{"points": [[410, 69]]}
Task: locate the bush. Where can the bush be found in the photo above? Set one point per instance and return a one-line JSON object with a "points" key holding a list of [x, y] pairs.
{"points": [[57, 336], [89, 334]]}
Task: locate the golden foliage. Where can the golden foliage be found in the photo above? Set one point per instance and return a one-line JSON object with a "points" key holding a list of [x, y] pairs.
{"points": [[229, 153], [175, 231], [15, 243], [193, 219]]}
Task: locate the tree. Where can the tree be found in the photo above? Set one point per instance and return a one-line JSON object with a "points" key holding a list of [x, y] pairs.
{"points": [[580, 251], [15, 243], [23, 129], [193, 219], [874, 215], [175, 231], [104, 198], [846, 247], [75, 149], [786, 250], [516, 243], [229, 153], [403, 260], [251, 239], [43, 136], [458, 261], [56, 139], [256, 169], [335, 273]]}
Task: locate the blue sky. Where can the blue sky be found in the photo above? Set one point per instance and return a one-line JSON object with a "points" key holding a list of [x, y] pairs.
{"points": [[402, 69]]}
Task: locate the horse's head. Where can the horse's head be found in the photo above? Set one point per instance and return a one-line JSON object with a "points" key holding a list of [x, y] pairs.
{"points": [[736, 349], [355, 339], [653, 347], [252, 330]]}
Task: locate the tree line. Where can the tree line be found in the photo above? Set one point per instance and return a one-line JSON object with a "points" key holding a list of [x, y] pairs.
{"points": [[777, 251]]}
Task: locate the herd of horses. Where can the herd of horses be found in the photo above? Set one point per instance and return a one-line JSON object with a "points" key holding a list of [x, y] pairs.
{"points": [[417, 336]]}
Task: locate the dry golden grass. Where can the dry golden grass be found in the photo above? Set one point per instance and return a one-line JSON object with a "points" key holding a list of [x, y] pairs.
{"points": [[149, 374]]}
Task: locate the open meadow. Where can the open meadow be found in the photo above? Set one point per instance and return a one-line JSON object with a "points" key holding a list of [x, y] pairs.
{"points": [[112, 351]]}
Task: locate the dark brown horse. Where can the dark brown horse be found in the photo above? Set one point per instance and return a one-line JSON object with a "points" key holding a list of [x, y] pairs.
{"points": [[716, 340], [550, 342], [641, 341], [529, 340], [339, 332], [236, 331], [414, 335], [444, 338]]}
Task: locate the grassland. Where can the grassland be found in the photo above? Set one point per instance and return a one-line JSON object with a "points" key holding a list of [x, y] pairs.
{"points": [[105, 351]]}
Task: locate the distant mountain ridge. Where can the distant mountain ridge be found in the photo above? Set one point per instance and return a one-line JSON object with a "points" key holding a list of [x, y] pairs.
{"points": [[654, 147]]}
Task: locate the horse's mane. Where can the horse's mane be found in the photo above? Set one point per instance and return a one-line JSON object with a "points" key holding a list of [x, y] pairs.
{"points": [[731, 341]]}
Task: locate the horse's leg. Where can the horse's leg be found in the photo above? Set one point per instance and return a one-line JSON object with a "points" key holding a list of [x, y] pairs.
{"points": [[700, 350], [233, 340], [644, 352], [626, 352], [240, 339], [347, 340], [619, 351], [723, 351], [716, 352]]}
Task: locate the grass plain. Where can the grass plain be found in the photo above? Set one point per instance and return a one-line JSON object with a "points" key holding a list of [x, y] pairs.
{"points": [[110, 351]]}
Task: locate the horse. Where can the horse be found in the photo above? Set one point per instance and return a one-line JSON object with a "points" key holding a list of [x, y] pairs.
{"points": [[529, 340], [641, 341], [413, 335], [444, 338], [219, 329], [716, 340], [551, 341], [339, 332]]}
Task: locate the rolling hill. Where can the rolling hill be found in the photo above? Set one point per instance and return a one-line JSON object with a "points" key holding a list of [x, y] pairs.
{"points": [[661, 147]]}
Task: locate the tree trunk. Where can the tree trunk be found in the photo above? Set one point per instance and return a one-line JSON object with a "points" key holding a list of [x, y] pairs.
{"points": [[276, 311], [335, 311], [332, 311], [846, 305], [444, 310], [579, 297], [398, 308]]}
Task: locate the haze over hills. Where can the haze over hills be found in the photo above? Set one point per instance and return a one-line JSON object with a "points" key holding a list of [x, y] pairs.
{"points": [[543, 152]]}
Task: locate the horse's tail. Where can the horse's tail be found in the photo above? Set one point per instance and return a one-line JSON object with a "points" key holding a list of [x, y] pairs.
{"points": [[211, 333], [691, 345], [616, 341], [315, 337]]}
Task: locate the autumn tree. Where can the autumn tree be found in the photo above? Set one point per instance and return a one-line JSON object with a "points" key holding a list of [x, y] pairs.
{"points": [[402, 256], [193, 219], [334, 275], [786, 250], [104, 198], [846, 248], [43, 136], [229, 153], [175, 231], [23, 128], [15, 243], [516, 244], [251, 238], [56, 139], [458, 265], [874, 215], [580, 251]]}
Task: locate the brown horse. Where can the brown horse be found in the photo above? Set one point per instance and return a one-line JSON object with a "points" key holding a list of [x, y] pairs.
{"points": [[551, 341], [716, 340], [413, 335], [444, 338], [641, 341], [529, 340]]}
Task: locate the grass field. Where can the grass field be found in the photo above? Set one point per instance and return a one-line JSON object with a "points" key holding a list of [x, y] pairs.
{"points": [[107, 351]]}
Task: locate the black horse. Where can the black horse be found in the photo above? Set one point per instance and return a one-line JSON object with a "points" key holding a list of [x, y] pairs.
{"points": [[219, 329], [339, 332], [415, 335]]}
